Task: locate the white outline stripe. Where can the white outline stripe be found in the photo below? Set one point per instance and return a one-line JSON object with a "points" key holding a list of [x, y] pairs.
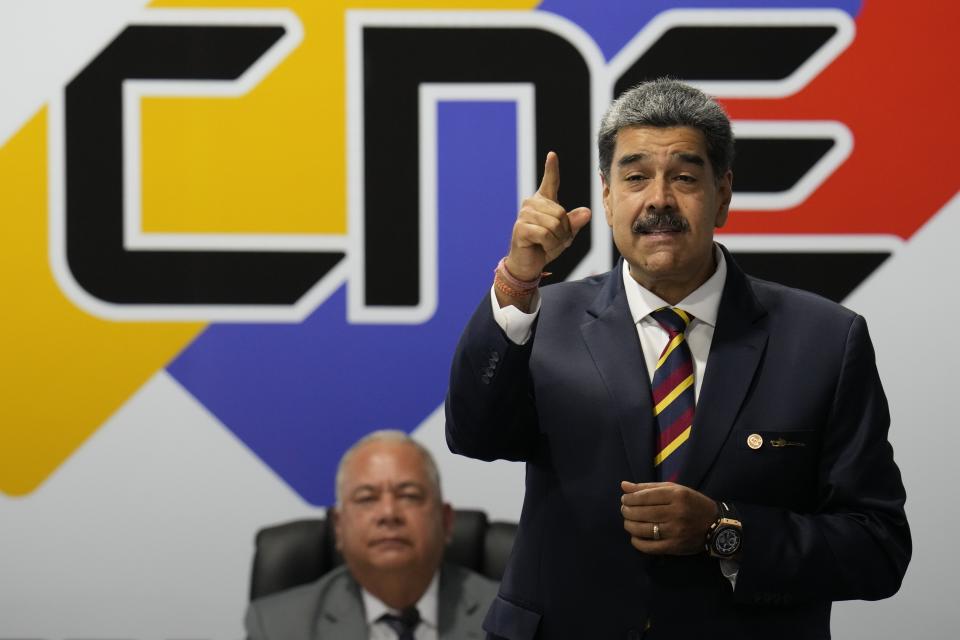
{"points": [[810, 181]]}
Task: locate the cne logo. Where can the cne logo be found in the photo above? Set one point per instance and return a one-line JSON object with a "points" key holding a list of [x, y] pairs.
{"points": [[110, 265]]}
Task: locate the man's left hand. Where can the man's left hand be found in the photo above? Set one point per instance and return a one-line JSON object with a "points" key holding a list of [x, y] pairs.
{"points": [[682, 517]]}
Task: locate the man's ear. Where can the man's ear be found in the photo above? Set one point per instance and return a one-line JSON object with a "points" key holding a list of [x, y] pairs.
{"points": [[606, 199], [726, 194], [448, 516], [334, 517]]}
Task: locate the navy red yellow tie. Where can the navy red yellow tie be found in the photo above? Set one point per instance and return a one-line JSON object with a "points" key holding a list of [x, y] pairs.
{"points": [[404, 624], [673, 395]]}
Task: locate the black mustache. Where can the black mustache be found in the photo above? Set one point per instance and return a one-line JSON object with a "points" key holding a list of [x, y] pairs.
{"points": [[665, 220]]}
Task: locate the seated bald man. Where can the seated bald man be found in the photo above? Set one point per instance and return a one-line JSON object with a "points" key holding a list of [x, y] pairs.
{"points": [[391, 526]]}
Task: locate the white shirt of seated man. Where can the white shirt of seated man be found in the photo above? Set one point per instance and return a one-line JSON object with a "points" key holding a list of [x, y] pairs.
{"points": [[428, 606]]}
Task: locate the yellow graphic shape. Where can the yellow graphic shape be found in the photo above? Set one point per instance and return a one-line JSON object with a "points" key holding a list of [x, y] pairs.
{"points": [[274, 160], [64, 372], [271, 161]]}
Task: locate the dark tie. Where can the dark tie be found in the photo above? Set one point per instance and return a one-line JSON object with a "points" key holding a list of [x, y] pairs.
{"points": [[403, 624], [673, 394]]}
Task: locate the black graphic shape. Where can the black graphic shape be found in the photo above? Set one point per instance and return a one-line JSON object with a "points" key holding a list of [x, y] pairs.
{"points": [[94, 179], [773, 165], [833, 275], [396, 61]]}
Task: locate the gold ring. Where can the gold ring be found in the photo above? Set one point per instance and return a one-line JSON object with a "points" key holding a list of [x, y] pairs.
{"points": [[656, 531]]}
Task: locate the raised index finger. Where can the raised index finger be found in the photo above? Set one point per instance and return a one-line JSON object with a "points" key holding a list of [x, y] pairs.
{"points": [[550, 184]]}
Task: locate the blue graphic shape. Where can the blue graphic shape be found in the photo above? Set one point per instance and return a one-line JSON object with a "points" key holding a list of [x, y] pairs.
{"points": [[613, 23], [300, 395]]}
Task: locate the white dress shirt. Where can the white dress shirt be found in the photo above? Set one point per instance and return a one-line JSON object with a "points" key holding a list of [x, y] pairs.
{"points": [[703, 304], [428, 606]]}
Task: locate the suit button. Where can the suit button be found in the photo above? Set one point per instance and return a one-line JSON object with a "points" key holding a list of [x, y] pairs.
{"points": [[494, 356]]}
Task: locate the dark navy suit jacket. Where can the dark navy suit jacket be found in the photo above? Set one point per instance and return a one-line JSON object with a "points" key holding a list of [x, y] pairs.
{"points": [[823, 519]]}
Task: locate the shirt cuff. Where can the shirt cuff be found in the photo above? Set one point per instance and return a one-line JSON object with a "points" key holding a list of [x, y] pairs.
{"points": [[515, 323], [730, 569]]}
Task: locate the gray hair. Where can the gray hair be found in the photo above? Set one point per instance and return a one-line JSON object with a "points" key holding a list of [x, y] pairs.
{"points": [[394, 436], [665, 103]]}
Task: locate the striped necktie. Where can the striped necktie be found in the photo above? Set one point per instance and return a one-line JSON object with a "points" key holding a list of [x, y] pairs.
{"points": [[673, 394], [404, 624]]}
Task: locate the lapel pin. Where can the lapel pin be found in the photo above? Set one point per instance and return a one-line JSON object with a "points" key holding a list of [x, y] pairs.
{"points": [[754, 441], [780, 442]]}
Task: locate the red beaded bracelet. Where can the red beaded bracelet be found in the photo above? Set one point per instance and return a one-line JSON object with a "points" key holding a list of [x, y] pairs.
{"points": [[509, 291], [511, 283]]}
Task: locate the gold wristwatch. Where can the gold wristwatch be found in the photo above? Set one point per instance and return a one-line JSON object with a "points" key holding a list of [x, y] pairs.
{"points": [[725, 536]]}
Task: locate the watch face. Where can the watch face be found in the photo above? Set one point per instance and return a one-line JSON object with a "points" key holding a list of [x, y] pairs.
{"points": [[726, 542]]}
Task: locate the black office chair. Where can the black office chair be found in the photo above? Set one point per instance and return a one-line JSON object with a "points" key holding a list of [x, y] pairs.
{"points": [[298, 552]]}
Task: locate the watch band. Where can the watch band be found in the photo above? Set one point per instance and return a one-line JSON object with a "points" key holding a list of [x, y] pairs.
{"points": [[725, 536], [727, 510]]}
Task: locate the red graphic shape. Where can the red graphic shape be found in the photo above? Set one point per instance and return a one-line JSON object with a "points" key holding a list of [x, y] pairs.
{"points": [[894, 89]]}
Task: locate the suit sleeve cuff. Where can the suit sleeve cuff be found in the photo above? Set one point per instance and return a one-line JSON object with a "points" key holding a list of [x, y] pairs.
{"points": [[515, 323]]}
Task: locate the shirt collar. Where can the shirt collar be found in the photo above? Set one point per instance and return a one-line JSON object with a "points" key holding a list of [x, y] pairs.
{"points": [[703, 302], [428, 605]]}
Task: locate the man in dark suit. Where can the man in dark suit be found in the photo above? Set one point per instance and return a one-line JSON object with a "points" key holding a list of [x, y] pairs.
{"points": [[391, 526], [706, 452]]}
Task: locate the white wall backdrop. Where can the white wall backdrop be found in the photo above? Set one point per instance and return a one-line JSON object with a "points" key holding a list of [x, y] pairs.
{"points": [[145, 531]]}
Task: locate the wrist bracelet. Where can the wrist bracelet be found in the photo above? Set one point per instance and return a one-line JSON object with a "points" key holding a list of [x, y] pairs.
{"points": [[500, 285], [501, 272]]}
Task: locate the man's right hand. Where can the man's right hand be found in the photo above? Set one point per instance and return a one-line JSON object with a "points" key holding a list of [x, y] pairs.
{"points": [[543, 229]]}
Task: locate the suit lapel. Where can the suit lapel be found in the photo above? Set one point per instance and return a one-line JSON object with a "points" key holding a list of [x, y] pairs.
{"points": [[342, 614], [738, 344], [457, 605], [611, 337]]}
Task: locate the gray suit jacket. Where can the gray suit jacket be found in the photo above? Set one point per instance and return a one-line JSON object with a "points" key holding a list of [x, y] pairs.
{"points": [[332, 608]]}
